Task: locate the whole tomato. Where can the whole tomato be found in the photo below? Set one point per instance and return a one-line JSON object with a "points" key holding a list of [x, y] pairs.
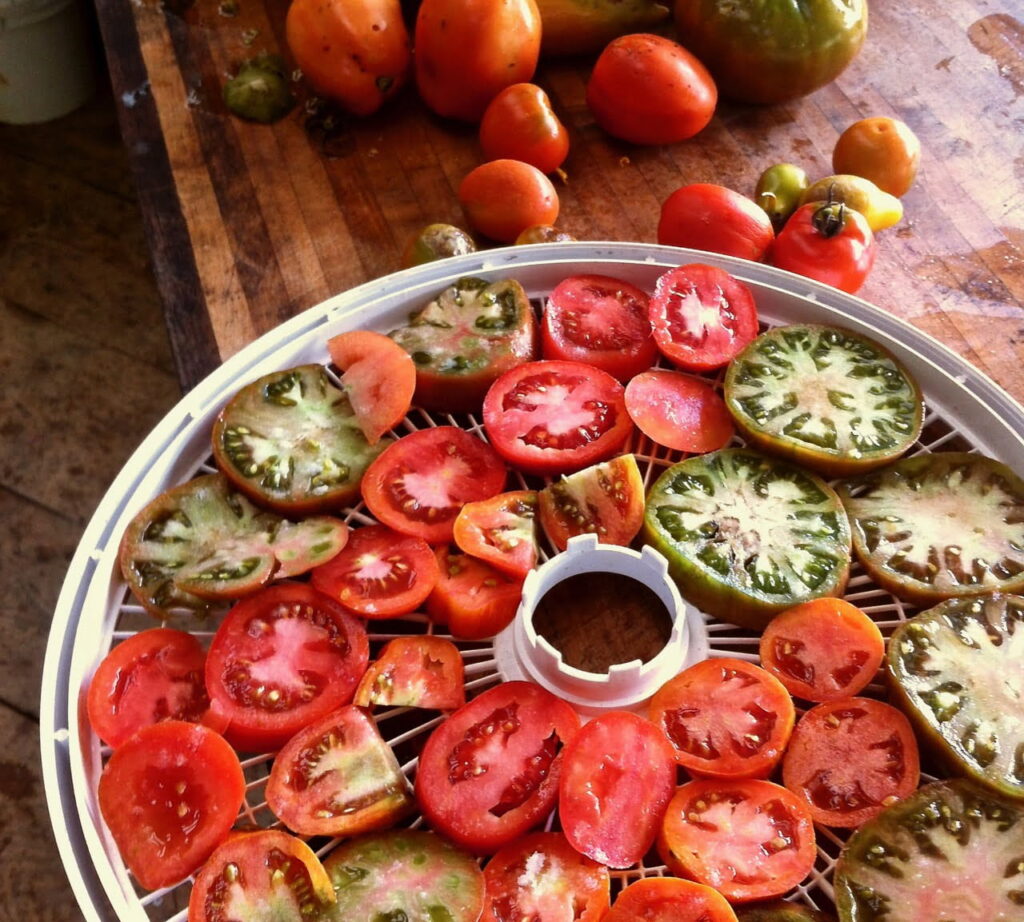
{"points": [[502, 198], [881, 149], [468, 51], [647, 89], [355, 52], [519, 124], [705, 216]]}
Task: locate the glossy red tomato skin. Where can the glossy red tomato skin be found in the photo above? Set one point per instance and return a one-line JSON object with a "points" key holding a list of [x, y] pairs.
{"points": [[679, 411], [669, 899], [473, 598], [706, 216], [421, 671], [519, 124], [647, 89], [502, 198], [843, 260], [599, 320]]}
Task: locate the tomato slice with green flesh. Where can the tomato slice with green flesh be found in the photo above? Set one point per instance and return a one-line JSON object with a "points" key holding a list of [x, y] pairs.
{"points": [[291, 441], [379, 573], [202, 542], [542, 878], [824, 397], [678, 411], [422, 672], [782, 911], [823, 649], [669, 899], [949, 851], [725, 718], [474, 599], [282, 659], [747, 536], [747, 838], [408, 874], [556, 417], [501, 530], [377, 375], [261, 875], [702, 317], [471, 333], [337, 777], [419, 484], [939, 526], [618, 776], [849, 759], [490, 771], [601, 321], [169, 795], [605, 499]]}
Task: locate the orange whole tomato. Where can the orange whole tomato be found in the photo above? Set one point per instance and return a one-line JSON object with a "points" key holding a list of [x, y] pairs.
{"points": [[468, 51], [502, 198], [519, 124], [881, 149], [355, 52]]}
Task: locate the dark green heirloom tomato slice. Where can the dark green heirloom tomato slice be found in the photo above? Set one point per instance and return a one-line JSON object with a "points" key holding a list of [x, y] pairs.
{"points": [[291, 441], [202, 542], [748, 536], [782, 911], [956, 671], [826, 398], [465, 338], [405, 875], [939, 526], [950, 852]]}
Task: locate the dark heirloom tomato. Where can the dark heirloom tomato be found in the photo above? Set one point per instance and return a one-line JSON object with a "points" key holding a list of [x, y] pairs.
{"points": [[679, 411], [706, 216], [436, 241], [473, 598], [782, 911], [501, 530], [519, 124], [669, 899], [423, 671], [490, 771], [282, 659]]}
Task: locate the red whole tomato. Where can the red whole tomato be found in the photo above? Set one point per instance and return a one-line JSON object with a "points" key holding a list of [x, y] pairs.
{"points": [[519, 124], [502, 198], [647, 89], [679, 411], [490, 771], [702, 317], [280, 660], [669, 899], [556, 417], [704, 216], [421, 672], [473, 598], [501, 530], [601, 321]]}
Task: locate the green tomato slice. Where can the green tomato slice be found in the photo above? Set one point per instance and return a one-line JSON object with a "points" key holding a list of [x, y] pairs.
{"points": [[939, 526], [781, 911], [747, 536], [824, 397]]}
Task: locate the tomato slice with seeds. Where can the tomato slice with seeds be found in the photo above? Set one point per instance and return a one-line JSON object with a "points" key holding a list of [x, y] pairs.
{"points": [[473, 598], [501, 530], [679, 411], [422, 672], [669, 899]]}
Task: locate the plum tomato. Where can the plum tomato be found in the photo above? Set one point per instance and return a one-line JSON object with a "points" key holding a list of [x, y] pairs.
{"points": [[556, 417], [702, 316], [706, 216], [669, 899], [420, 483], [422, 672], [827, 242], [436, 241], [678, 411], [882, 149], [502, 198], [599, 320], [501, 530], [490, 772], [473, 598], [519, 124], [647, 89]]}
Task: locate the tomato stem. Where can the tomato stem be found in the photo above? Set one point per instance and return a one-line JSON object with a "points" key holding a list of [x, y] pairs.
{"points": [[830, 219]]}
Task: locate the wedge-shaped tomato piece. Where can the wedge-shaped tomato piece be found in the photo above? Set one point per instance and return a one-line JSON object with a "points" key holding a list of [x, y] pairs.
{"points": [[291, 441], [202, 542], [782, 911], [678, 411], [669, 899], [501, 530], [473, 598], [422, 672]]}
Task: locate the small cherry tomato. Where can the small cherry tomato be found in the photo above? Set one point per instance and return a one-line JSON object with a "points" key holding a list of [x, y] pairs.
{"points": [[436, 241], [705, 216], [519, 124], [778, 191], [881, 149], [504, 197]]}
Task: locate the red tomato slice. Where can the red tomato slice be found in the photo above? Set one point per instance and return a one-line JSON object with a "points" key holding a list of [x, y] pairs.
{"points": [[702, 316], [849, 759], [337, 777], [473, 598], [418, 485], [618, 776], [726, 718], [378, 376], [747, 838], [556, 417], [421, 672], [380, 573], [280, 660], [541, 877], [679, 411], [601, 321], [669, 899], [501, 530], [170, 795], [490, 771]]}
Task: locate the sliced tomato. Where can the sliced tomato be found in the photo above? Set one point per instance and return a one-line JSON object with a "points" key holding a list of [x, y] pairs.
{"points": [[169, 795], [679, 411], [669, 899], [378, 376], [380, 573], [419, 484], [473, 598], [501, 530], [490, 771], [601, 321], [702, 316], [556, 417], [282, 659], [422, 672], [851, 758]]}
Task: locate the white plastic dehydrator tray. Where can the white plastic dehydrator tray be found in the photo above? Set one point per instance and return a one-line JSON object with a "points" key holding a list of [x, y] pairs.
{"points": [[964, 411]]}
